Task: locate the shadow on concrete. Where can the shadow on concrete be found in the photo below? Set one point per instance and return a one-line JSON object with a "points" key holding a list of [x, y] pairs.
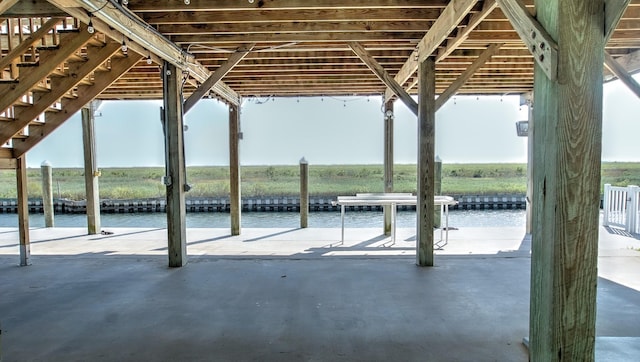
{"points": [[196, 242], [46, 240], [114, 235], [616, 231], [270, 235]]}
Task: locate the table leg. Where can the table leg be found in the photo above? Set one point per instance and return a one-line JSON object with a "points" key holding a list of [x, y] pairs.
{"points": [[342, 222], [393, 220]]}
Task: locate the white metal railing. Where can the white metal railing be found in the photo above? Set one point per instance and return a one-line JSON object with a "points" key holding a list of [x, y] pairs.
{"points": [[621, 207]]}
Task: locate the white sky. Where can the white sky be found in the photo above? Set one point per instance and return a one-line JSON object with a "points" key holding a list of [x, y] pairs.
{"points": [[326, 130]]}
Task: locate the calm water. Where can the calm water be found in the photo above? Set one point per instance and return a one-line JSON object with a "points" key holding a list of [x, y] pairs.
{"points": [[353, 219]]}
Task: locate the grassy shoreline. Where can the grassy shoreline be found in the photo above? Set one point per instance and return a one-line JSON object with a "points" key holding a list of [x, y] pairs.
{"points": [[324, 180]]}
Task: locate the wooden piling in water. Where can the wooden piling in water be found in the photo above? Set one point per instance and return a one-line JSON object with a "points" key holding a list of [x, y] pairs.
{"points": [[304, 193], [47, 194]]}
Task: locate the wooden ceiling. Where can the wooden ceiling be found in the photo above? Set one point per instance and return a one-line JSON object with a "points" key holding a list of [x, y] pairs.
{"points": [[302, 47], [305, 48]]}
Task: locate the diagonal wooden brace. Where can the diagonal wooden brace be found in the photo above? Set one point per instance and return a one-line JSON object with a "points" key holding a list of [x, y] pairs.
{"points": [[534, 35]]}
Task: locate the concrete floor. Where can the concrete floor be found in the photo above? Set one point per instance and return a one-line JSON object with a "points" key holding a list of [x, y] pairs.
{"points": [[290, 295]]}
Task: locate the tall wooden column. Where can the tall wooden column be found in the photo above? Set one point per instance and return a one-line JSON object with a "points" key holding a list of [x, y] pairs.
{"points": [[91, 172], [388, 161], [176, 178], [426, 160], [567, 145], [529, 205], [23, 211], [234, 169]]}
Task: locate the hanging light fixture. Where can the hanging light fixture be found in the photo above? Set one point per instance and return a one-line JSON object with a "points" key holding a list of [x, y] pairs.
{"points": [[90, 27], [124, 46]]}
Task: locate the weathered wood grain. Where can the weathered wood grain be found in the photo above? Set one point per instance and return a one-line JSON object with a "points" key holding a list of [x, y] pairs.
{"points": [[567, 146], [426, 162]]}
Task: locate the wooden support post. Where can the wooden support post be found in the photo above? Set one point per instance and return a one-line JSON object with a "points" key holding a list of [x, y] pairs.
{"points": [[91, 172], [234, 169], [529, 198], [23, 211], [47, 193], [176, 178], [388, 162], [304, 193], [567, 145], [437, 190], [426, 156]]}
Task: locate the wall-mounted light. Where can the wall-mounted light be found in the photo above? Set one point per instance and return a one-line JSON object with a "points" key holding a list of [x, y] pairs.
{"points": [[522, 127], [149, 61], [187, 2]]}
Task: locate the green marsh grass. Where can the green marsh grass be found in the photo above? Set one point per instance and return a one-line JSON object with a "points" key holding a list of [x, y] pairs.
{"points": [[324, 180]]}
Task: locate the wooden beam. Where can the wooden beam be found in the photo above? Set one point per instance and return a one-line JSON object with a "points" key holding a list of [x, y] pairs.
{"points": [[535, 36], [86, 93], [621, 73], [215, 77], [466, 75], [566, 170], [23, 211], [463, 33], [174, 142], [9, 93], [200, 5], [379, 71], [630, 62], [28, 42], [91, 169], [33, 9], [426, 162], [59, 86], [388, 162], [6, 5], [234, 169], [8, 163], [613, 10], [145, 40], [451, 16], [291, 15]]}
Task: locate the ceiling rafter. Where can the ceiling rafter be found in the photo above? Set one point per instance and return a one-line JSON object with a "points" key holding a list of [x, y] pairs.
{"points": [[451, 16]]}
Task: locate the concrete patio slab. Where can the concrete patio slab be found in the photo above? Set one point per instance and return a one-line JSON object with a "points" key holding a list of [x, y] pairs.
{"points": [[290, 295]]}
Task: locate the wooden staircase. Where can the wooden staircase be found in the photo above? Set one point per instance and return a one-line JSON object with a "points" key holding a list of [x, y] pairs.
{"points": [[49, 76]]}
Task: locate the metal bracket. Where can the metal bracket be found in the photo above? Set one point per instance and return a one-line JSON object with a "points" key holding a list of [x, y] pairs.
{"points": [[534, 35]]}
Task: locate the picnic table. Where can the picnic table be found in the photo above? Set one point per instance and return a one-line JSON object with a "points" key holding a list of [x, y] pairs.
{"points": [[393, 200]]}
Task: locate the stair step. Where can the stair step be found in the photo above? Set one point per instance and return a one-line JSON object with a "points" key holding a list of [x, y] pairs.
{"points": [[28, 64], [66, 31], [57, 73], [48, 47], [40, 88], [76, 58], [95, 42], [6, 119], [21, 103]]}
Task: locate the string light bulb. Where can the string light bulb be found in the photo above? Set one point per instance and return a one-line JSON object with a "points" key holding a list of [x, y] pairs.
{"points": [[90, 27]]}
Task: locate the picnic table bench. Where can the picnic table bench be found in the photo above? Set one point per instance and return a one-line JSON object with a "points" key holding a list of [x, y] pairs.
{"points": [[393, 200]]}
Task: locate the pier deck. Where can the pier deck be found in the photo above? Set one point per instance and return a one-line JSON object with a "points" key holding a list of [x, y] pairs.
{"points": [[290, 294]]}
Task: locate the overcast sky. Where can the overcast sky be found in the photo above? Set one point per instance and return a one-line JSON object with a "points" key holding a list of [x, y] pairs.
{"points": [[325, 130]]}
